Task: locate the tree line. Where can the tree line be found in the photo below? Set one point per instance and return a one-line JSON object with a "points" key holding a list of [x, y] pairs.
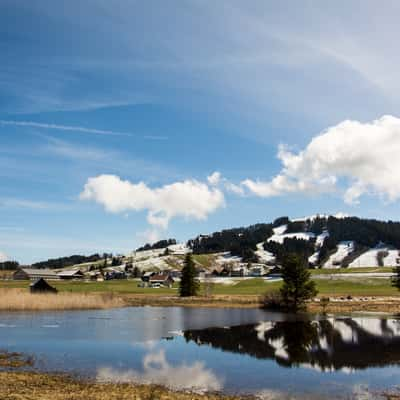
{"points": [[161, 244]]}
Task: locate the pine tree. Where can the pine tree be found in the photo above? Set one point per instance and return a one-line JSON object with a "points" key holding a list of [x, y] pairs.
{"points": [[396, 278], [189, 285], [297, 285]]}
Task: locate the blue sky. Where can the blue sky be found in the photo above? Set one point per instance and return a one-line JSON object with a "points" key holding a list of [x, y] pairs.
{"points": [[115, 114]]}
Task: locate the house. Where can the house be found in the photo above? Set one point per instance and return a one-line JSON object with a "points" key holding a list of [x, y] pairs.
{"points": [[257, 270], [114, 274], [34, 274], [146, 276], [175, 273], [71, 274], [239, 271], [41, 286], [94, 275], [161, 280]]}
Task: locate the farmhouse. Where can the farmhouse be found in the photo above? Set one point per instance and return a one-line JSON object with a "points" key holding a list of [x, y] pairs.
{"points": [[161, 280], [72, 274], [34, 274]]}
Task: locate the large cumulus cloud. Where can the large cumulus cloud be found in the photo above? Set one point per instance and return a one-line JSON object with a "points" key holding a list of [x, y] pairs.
{"points": [[189, 199], [364, 156]]}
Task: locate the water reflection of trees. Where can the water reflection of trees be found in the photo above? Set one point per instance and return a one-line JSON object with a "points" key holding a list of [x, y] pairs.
{"points": [[332, 344]]}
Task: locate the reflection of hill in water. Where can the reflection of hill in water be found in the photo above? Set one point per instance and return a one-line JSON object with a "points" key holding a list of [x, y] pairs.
{"points": [[331, 344]]}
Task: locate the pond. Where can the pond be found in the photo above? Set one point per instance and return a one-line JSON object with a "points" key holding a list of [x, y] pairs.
{"points": [[232, 350]]}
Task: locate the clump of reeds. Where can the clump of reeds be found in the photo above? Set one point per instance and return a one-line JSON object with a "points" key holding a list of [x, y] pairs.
{"points": [[22, 300]]}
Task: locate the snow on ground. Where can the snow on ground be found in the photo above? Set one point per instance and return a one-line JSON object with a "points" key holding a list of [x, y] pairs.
{"points": [[321, 238], [313, 259], [179, 248], [263, 255], [298, 235], [343, 250], [152, 263], [338, 215], [226, 258], [370, 258], [392, 258], [280, 230]]}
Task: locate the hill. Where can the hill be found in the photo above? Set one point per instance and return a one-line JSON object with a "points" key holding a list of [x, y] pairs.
{"points": [[326, 241]]}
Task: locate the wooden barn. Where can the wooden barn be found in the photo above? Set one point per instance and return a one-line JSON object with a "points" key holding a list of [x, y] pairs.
{"points": [[72, 274], [41, 286]]}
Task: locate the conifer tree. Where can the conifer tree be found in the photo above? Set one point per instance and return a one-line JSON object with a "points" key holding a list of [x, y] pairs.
{"points": [[189, 285], [297, 284], [396, 278]]}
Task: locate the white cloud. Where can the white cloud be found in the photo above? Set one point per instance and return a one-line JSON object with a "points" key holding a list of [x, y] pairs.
{"points": [[363, 155], [190, 199], [3, 257], [149, 235], [156, 369], [233, 188], [214, 178]]}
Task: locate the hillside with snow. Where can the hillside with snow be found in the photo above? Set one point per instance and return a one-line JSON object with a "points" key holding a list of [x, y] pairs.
{"points": [[325, 241]]}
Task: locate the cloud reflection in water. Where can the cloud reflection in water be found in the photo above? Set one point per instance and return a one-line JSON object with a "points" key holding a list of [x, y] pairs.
{"points": [[157, 370]]}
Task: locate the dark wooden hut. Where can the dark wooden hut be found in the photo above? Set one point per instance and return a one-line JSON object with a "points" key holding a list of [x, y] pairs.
{"points": [[41, 286]]}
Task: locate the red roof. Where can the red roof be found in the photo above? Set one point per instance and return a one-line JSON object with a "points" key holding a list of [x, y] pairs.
{"points": [[160, 277]]}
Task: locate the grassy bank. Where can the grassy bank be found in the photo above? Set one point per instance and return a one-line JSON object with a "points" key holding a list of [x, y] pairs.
{"points": [[354, 286], [22, 300], [37, 386], [241, 293]]}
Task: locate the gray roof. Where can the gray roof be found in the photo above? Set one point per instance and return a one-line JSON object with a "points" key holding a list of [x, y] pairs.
{"points": [[70, 272], [37, 271]]}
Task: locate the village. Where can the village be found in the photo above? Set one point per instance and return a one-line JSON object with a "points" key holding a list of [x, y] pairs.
{"points": [[151, 269]]}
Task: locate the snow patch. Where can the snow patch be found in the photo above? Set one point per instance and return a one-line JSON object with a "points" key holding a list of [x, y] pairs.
{"points": [[343, 250]]}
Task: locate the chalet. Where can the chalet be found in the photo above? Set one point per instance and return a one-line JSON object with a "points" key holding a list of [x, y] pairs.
{"points": [[72, 274], [34, 274], [161, 280], [257, 270], [147, 275], [114, 274], [239, 271], [41, 286]]}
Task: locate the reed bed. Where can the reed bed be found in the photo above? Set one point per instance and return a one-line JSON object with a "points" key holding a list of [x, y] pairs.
{"points": [[22, 300]]}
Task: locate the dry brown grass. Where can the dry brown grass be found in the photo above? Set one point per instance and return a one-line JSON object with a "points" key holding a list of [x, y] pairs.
{"points": [[22, 300], [37, 386]]}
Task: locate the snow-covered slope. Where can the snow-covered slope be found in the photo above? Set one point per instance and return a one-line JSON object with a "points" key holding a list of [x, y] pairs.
{"points": [[279, 235], [370, 258], [343, 250], [263, 255]]}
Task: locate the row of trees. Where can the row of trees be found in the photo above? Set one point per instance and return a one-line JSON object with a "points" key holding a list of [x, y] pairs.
{"points": [[9, 265], [161, 244], [63, 262], [239, 241]]}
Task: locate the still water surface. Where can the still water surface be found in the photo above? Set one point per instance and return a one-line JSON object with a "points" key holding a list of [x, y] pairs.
{"points": [[232, 350]]}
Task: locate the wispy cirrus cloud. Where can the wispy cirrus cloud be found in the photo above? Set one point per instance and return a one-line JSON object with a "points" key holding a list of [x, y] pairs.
{"points": [[20, 203], [80, 129]]}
